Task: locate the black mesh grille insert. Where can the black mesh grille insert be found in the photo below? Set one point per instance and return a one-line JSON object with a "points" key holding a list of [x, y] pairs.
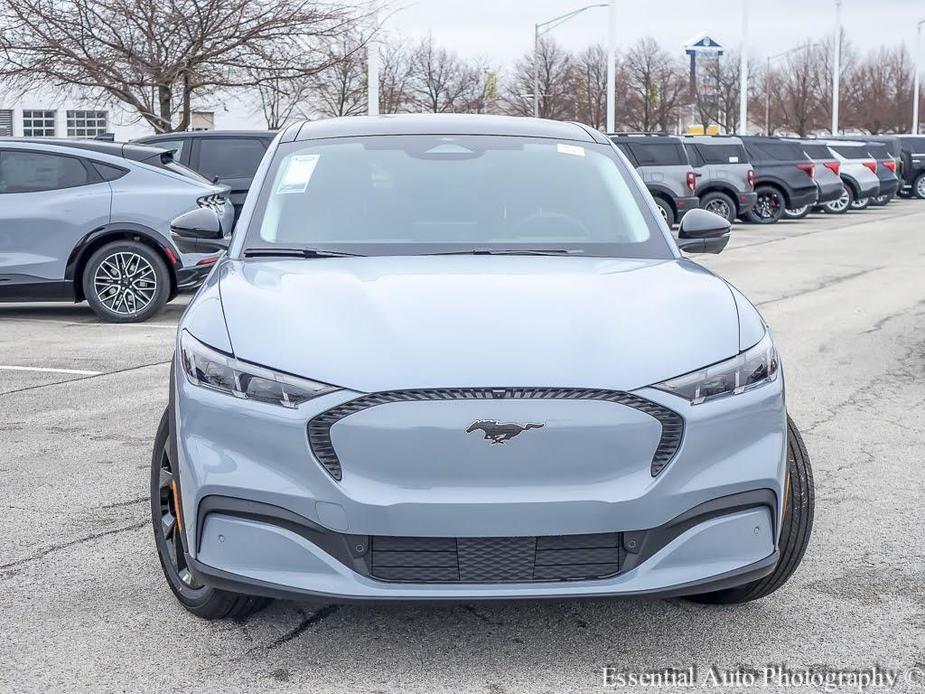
{"points": [[319, 427], [495, 559]]}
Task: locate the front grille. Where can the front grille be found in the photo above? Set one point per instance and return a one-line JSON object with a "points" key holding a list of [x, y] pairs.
{"points": [[495, 559], [319, 427]]}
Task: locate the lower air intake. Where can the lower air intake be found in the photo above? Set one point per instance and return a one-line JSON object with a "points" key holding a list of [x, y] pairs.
{"points": [[495, 559]]}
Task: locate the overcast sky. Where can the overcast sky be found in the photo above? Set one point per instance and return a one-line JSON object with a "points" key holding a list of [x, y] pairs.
{"points": [[502, 30]]}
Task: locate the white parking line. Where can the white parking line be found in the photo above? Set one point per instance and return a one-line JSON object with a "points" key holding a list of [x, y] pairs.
{"points": [[80, 372]]}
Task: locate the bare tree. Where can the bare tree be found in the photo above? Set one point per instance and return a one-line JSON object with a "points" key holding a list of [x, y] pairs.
{"points": [[879, 91], [656, 87], [155, 56], [439, 79], [589, 76], [395, 71], [556, 99], [340, 90]]}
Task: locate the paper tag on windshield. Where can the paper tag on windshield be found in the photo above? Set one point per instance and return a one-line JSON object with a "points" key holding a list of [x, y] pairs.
{"points": [[733, 160], [298, 173], [571, 149]]}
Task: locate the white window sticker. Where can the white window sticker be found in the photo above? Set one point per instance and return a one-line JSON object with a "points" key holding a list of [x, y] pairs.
{"points": [[299, 170], [733, 160], [571, 149]]}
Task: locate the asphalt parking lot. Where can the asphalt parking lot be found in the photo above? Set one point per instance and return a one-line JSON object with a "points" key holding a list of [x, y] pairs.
{"points": [[85, 606]]}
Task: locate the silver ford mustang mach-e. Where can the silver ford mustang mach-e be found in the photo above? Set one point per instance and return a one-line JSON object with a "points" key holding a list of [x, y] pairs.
{"points": [[462, 358]]}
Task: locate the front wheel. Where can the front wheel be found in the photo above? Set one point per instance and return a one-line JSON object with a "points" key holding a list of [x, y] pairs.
{"points": [[203, 601], [881, 200], [918, 187], [769, 207], [126, 282], [797, 212], [797, 525], [860, 204]]}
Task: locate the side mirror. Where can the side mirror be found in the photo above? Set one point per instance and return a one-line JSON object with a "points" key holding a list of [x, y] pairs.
{"points": [[199, 231], [703, 232]]}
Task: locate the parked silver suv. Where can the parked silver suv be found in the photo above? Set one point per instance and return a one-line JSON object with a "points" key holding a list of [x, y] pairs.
{"points": [[665, 169], [725, 177], [90, 221]]}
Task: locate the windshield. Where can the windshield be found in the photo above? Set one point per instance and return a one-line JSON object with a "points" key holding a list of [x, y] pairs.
{"points": [[416, 194]]}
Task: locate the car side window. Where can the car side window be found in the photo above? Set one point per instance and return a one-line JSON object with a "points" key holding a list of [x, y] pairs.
{"points": [[230, 157], [31, 172], [175, 145], [658, 154], [693, 153]]}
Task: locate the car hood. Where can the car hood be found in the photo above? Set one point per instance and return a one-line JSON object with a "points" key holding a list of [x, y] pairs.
{"points": [[383, 323]]}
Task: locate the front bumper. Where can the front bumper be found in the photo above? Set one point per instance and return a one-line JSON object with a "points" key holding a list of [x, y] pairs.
{"points": [[190, 278], [710, 518]]}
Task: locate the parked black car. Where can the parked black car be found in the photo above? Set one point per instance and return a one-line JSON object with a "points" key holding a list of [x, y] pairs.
{"points": [[228, 157], [662, 163], [886, 172], [910, 152], [725, 178], [783, 177]]}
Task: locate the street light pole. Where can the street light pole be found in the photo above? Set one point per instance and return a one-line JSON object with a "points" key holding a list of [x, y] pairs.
{"points": [[915, 79], [539, 30], [743, 73], [836, 67], [612, 66], [372, 68]]}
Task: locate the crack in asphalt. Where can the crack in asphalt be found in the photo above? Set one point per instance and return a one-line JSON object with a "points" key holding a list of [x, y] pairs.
{"points": [[822, 285], [4, 568], [130, 502], [308, 621], [85, 378]]}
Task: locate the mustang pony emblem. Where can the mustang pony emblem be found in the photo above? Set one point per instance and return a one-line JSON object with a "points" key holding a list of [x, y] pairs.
{"points": [[495, 432]]}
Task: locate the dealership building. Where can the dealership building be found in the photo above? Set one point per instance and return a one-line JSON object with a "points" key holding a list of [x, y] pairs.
{"points": [[45, 113]]}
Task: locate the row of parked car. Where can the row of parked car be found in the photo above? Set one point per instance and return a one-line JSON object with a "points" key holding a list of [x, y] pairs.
{"points": [[90, 219], [764, 179]]}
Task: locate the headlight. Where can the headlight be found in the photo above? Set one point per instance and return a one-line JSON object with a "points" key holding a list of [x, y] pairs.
{"points": [[750, 369], [210, 368]]}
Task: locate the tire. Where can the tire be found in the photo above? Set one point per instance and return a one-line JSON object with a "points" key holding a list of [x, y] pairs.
{"points": [[918, 187], [769, 208], [126, 282], [842, 204], [797, 526], [797, 213], [881, 200], [202, 601], [860, 203], [667, 213], [719, 203]]}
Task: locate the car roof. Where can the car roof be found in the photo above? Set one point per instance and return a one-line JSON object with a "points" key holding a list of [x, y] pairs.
{"points": [[189, 134], [713, 139], [134, 152], [440, 124]]}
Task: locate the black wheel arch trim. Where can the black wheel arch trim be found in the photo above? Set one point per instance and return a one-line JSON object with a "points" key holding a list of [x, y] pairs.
{"points": [[115, 231], [658, 191]]}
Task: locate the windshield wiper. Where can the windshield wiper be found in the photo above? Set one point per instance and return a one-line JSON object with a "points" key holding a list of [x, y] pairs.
{"points": [[297, 253], [510, 251]]}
